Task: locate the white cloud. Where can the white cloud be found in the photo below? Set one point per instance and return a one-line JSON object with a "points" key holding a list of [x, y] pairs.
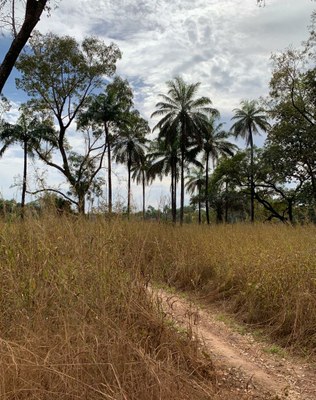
{"points": [[225, 44]]}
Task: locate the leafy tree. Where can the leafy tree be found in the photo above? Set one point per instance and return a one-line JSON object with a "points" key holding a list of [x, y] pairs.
{"points": [[230, 186], [109, 109], [272, 186], [292, 106], [165, 160], [60, 75], [33, 12], [52, 202], [4, 106], [182, 114], [29, 131], [141, 174], [196, 182], [8, 207], [214, 145], [249, 119], [130, 146]]}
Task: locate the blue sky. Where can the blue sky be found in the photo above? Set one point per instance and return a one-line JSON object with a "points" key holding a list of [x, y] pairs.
{"points": [[224, 44]]}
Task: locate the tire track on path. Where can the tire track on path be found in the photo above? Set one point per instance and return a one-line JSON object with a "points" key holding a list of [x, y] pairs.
{"points": [[241, 361]]}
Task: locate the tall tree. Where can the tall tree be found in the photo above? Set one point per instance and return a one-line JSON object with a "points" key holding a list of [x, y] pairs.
{"points": [[183, 114], [130, 146], [165, 160], [109, 109], [230, 185], [292, 107], [141, 174], [33, 12], [29, 131], [196, 183], [60, 75], [214, 145], [250, 118]]}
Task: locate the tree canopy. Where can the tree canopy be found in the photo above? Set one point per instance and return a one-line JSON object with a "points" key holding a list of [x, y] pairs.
{"points": [[60, 74]]}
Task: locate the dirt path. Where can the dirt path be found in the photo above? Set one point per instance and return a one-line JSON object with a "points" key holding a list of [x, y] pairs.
{"points": [[243, 365]]}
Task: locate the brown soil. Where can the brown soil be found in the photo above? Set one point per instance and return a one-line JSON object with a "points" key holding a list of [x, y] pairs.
{"points": [[244, 368]]}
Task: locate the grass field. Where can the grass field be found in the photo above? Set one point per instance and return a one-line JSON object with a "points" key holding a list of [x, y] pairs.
{"points": [[76, 319], [266, 272]]}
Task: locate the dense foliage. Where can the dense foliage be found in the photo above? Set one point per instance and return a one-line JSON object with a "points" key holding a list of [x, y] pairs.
{"points": [[70, 83]]}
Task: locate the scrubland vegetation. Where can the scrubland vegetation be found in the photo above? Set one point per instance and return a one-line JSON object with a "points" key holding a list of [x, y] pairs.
{"points": [[77, 320]]}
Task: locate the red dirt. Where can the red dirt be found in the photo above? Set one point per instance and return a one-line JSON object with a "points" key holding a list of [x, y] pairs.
{"points": [[244, 368]]}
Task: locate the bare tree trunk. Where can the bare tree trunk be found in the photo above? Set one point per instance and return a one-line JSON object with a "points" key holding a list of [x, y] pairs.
{"points": [[206, 190], [81, 204], [33, 11], [144, 198], [226, 202], [24, 178], [174, 192], [252, 187], [290, 210], [108, 143], [200, 220], [129, 166], [182, 186]]}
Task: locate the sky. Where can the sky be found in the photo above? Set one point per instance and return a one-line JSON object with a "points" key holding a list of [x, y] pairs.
{"points": [[224, 44]]}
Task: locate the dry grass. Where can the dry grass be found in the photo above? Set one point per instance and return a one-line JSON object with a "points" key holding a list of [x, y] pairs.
{"points": [[77, 323], [267, 272]]}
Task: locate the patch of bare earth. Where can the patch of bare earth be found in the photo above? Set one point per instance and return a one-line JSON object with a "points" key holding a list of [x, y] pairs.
{"points": [[244, 369]]}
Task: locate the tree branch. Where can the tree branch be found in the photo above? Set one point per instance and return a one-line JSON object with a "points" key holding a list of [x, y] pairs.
{"points": [[55, 191], [33, 11]]}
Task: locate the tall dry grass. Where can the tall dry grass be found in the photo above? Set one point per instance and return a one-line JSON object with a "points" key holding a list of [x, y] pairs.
{"points": [[267, 272], [76, 321]]}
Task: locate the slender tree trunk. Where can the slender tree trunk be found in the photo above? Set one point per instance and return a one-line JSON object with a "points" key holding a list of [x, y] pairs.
{"points": [[172, 192], [252, 187], [24, 178], [200, 220], [144, 198], [206, 190], [219, 213], [33, 11], [290, 211], [226, 201], [313, 179], [81, 203], [182, 188], [175, 192], [129, 166], [183, 136], [108, 142]]}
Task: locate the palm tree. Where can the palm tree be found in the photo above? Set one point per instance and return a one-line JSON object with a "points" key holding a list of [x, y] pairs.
{"points": [[109, 109], [165, 160], [130, 146], [28, 131], [182, 115], [141, 174], [196, 182], [214, 145], [249, 119]]}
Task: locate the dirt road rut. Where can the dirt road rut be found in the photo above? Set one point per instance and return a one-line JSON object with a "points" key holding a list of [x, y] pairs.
{"points": [[243, 364]]}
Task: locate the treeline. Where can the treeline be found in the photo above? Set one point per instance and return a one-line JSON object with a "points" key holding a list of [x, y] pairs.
{"points": [[74, 84]]}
